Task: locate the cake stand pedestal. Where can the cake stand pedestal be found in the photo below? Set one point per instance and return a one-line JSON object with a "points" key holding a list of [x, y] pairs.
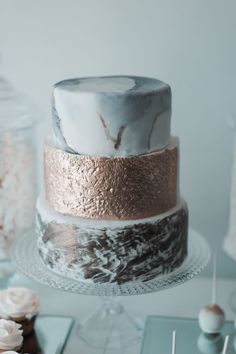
{"points": [[111, 326]]}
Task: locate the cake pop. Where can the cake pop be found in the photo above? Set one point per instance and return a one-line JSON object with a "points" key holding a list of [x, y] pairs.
{"points": [[211, 317]]}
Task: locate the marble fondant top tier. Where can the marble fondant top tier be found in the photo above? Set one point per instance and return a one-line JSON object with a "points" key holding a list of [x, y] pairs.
{"points": [[111, 115]]}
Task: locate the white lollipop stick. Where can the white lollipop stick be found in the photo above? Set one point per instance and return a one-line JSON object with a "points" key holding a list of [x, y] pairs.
{"points": [[225, 345], [173, 342], [214, 292]]}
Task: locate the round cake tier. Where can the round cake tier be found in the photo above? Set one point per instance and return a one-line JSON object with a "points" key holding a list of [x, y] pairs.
{"points": [[111, 188], [111, 116], [109, 251]]}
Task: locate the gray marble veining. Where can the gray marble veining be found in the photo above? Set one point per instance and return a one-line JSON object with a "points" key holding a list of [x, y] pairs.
{"points": [[111, 116]]}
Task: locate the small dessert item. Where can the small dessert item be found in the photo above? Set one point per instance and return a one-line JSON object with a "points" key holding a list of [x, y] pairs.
{"points": [[211, 317], [20, 305], [10, 336]]}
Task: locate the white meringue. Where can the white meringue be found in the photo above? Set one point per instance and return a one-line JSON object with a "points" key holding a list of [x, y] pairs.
{"points": [[18, 302], [10, 335]]}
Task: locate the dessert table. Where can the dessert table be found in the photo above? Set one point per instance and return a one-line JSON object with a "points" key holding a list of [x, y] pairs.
{"points": [[182, 301]]}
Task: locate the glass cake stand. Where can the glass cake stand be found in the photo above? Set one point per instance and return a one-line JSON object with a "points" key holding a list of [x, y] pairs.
{"points": [[111, 326]]}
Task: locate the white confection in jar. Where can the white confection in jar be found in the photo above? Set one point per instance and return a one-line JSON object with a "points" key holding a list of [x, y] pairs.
{"points": [[211, 319], [18, 164], [17, 187]]}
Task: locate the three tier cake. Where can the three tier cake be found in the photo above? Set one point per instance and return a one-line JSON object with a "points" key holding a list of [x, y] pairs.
{"points": [[111, 211]]}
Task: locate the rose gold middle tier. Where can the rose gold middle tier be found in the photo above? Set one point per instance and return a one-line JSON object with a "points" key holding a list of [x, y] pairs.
{"points": [[112, 188]]}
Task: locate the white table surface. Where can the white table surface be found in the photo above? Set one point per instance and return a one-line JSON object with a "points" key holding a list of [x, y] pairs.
{"points": [[183, 301]]}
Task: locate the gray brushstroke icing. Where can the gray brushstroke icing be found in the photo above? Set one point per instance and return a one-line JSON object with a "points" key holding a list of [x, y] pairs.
{"points": [[111, 115], [113, 252]]}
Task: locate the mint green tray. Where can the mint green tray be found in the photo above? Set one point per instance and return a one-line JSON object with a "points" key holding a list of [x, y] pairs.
{"points": [[158, 335]]}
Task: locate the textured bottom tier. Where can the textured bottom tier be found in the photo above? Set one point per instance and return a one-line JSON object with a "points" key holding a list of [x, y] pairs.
{"points": [[112, 251]]}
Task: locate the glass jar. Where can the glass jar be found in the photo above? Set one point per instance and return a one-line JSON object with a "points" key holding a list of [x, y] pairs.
{"points": [[18, 166]]}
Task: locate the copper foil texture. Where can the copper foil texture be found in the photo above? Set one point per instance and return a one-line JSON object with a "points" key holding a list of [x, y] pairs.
{"points": [[111, 188]]}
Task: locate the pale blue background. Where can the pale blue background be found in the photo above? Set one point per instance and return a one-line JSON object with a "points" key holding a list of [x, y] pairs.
{"points": [[191, 44]]}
